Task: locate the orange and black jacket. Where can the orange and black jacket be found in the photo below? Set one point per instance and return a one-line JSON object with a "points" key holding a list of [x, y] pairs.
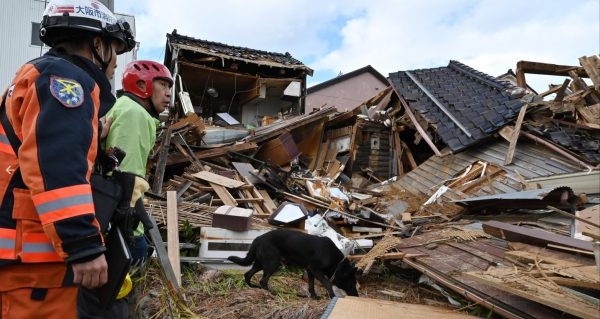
{"points": [[47, 220]]}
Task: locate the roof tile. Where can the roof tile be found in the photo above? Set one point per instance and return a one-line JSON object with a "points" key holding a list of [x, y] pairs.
{"points": [[478, 102]]}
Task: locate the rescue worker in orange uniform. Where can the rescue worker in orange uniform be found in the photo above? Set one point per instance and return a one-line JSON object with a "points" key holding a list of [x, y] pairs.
{"points": [[50, 241]]}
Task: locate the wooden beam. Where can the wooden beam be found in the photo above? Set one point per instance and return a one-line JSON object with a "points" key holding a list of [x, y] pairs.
{"points": [[515, 136], [224, 195], [562, 212], [532, 236], [419, 128], [173, 234], [214, 152], [161, 252], [159, 172], [560, 93], [591, 65]]}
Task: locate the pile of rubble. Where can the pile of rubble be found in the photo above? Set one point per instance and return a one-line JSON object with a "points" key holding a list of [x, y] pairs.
{"points": [[486, 187]]}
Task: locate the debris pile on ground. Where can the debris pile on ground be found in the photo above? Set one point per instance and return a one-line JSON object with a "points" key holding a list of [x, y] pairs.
{"points": [[479, 189]]}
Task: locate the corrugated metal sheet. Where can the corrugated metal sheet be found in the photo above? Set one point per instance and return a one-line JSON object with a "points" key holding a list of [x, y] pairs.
{"points": [[530, 161], [561, 197]]}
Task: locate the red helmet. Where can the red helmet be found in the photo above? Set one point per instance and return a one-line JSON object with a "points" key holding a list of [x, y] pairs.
{"points": [[146, 71]]}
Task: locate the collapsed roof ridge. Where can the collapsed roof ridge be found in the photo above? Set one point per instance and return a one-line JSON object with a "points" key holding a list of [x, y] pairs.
{"points": [[241, 48], [481, 76]]}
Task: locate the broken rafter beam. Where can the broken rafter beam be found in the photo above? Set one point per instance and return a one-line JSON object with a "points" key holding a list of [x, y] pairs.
{"points": [[545, 69], [418, 126]]}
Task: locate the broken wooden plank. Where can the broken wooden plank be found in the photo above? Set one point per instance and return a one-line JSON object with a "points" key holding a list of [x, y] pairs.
{"points": [[218, 179], [159, 172], [536, 290], [515, 135], [531, 258], [361, 229], [563, 213], [532, 236], [173, 234], [224, 195], [560, 93], [268, 202], [163, 257], [581, 85], [591, 65], [214, 152]]}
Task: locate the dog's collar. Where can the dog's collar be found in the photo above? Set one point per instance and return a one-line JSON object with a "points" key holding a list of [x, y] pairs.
{"points": [[336, 269]]}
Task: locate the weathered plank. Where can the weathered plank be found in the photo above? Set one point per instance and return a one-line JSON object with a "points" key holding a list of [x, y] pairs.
{"points": [[532, 236], [536, 290], [218, 179], [515, 135], [173, 234]]}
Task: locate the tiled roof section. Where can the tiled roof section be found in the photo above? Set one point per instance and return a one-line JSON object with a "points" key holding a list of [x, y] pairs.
{"points": [[476, 101], [584, 143], [239, 53]]}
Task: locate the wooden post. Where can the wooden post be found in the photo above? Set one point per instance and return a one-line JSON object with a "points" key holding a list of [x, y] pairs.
{"points": [[515, 135], [159, 173], [173, 234]]}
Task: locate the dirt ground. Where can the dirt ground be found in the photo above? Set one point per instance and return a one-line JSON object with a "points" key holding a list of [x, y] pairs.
{"points": [[224, 294]]}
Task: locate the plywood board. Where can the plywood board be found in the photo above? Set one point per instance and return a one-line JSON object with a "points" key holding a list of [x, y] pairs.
{"points": [[218, 179], [365, 308]]}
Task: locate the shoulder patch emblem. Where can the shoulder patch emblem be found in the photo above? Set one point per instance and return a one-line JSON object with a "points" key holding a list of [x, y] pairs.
{"points": [[68, 92]]}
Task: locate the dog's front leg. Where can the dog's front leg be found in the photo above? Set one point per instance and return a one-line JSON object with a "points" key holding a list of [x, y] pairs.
{"points": [[311, 285], [325, 282]]}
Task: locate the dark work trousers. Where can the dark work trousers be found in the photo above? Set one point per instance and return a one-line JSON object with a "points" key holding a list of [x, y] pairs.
{"points": [[88, 306]]}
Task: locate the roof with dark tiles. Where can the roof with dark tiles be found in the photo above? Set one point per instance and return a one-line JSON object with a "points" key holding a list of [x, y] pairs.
{"points": [[583, 143], [478, 102], [238, 53]]}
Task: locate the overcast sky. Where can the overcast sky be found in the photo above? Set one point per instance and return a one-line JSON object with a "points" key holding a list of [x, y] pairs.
{"points": [[332, 36]]}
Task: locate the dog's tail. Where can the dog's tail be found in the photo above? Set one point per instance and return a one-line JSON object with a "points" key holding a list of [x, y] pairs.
{"points": [[246, 261]]}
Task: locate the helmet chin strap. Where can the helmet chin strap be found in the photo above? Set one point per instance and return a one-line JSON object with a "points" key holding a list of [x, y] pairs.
{"points": [[103, 63]]}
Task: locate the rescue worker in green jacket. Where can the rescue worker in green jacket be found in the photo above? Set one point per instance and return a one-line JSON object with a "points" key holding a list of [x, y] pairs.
{"points": [[147, 93]]}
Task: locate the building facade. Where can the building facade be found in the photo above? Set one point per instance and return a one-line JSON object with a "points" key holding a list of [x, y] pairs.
{"points": [[346, 91]]}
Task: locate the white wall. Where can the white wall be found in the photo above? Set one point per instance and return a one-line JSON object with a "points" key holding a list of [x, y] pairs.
{"points": [[16, 17]]}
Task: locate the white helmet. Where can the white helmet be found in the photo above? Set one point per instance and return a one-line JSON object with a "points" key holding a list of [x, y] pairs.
{"points": [[89, 16]]}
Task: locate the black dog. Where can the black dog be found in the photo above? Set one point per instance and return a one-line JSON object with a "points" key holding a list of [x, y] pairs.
{"points": [[318, 255]]}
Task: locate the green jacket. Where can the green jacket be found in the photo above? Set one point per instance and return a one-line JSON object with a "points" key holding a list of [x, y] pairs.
{"points": [[133, 130]]}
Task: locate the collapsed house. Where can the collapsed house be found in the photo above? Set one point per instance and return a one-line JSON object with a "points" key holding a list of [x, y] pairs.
{"points": [[224, 81], [487, 189]]}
